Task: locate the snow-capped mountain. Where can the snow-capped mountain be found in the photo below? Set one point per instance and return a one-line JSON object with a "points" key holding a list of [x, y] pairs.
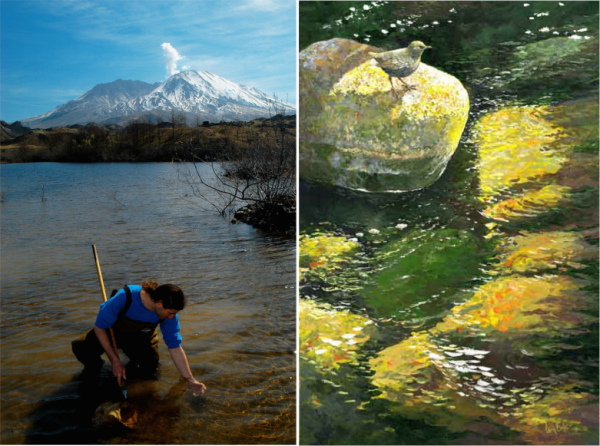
{"points": [[199, 95]]}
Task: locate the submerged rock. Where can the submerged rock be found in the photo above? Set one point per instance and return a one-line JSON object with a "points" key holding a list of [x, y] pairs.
{"points": [[528, 205], [516, 145], [564, 416], [330, 337], [357, 133], [114, 414], [321, 255], [432, 381], [551, 250], [453, 386], [520, 306]]}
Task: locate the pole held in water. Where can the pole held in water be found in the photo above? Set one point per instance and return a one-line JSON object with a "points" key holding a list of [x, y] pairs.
{"points": [[112, 335], [110, 330]]}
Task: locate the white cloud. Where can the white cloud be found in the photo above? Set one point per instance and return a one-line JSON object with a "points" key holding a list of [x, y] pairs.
{"points": [[265, 5], [172, 57]]}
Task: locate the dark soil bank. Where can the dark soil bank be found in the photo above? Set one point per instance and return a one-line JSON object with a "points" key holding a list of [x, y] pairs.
{"points": [[277, 217]]}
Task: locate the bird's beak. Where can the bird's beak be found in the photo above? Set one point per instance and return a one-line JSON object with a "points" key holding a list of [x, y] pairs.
{"points": [[428, 47]]}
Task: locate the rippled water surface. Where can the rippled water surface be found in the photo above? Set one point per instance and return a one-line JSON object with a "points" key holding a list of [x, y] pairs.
{"points": [[238, 329], [467, 312]]}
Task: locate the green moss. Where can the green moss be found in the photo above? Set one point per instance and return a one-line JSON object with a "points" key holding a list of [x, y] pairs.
{"points": [[422, 265], [590, 147]]}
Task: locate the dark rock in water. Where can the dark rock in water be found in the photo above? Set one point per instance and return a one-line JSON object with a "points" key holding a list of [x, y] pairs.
{"points": [[114, 414], [279, 216]]}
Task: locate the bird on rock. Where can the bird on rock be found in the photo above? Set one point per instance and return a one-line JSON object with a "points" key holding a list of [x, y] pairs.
{"points": [[401, 63]]}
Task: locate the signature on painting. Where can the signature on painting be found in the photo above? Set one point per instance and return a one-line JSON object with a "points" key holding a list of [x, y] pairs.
{"points": [[556, 427]]}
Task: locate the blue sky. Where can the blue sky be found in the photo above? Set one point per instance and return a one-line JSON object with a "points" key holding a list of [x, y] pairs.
{"points": [[52, 51]]}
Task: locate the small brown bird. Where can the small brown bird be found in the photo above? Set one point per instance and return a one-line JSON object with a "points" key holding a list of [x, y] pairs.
{"points": [[401, 63]]}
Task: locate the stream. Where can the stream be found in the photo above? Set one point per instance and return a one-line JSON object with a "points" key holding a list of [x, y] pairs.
{"points": [[465, 312]]}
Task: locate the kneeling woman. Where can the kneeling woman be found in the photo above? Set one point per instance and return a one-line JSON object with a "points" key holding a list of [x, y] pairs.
{"points": [[134, 313]]}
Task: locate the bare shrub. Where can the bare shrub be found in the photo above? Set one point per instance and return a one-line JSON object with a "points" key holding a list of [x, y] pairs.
{"points": [[252, 167], [42, 189]]}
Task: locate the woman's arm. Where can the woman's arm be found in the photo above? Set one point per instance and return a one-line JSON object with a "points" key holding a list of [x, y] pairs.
{"points": [[182, 365], [117, 366]]}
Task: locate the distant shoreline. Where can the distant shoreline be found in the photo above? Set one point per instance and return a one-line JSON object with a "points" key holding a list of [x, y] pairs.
{"points": [[141, 142]]}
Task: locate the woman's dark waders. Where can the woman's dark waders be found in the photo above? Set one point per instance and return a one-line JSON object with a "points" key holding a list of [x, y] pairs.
{"points": [[138, 340]]}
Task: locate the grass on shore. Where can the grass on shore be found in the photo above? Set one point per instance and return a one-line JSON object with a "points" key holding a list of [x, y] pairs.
{"points": [[143, 142]]}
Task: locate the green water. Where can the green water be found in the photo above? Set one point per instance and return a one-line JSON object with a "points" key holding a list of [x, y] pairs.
{"points": [[479, 294]]}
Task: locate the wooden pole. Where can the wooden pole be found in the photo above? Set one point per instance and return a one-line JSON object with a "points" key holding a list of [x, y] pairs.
{"points": [[112, 335]]}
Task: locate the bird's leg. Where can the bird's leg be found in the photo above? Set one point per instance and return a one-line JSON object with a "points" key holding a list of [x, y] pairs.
{"points": [[408, 87], [393, 89]]}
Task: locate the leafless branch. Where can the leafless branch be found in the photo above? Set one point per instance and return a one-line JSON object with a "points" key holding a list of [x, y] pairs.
{"points": [[42, 194], [257, 168], [114, 196]]}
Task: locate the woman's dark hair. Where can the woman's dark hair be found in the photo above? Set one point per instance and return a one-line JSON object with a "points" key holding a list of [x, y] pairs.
{"points": [[172, 296]]}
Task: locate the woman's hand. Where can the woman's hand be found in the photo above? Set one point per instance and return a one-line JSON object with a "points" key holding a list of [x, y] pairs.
{"points": [[118, 370], [197, 387], [182, 365]]}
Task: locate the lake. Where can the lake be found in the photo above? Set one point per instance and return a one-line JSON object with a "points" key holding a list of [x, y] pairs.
{"points": [[239, 328], [465, 312]]}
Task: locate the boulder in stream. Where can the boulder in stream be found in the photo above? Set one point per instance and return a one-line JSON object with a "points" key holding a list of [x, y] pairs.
{"points": [[355, 132]]}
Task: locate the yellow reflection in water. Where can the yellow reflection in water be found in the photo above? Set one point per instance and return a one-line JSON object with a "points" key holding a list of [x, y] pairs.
{"points": [[555, 419], [330, 337], [523, 305], [515, 146], [546, 250], [451, 385], [431, 381], [529, 204], [323, 253]]}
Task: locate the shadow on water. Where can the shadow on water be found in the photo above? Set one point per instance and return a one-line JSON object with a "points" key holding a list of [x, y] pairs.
{"points": [[76, 417], [76, 413]]}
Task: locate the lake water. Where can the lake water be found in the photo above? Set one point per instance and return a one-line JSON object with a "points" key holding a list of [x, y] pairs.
{"points": [[239, 329], [466, 312]]}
